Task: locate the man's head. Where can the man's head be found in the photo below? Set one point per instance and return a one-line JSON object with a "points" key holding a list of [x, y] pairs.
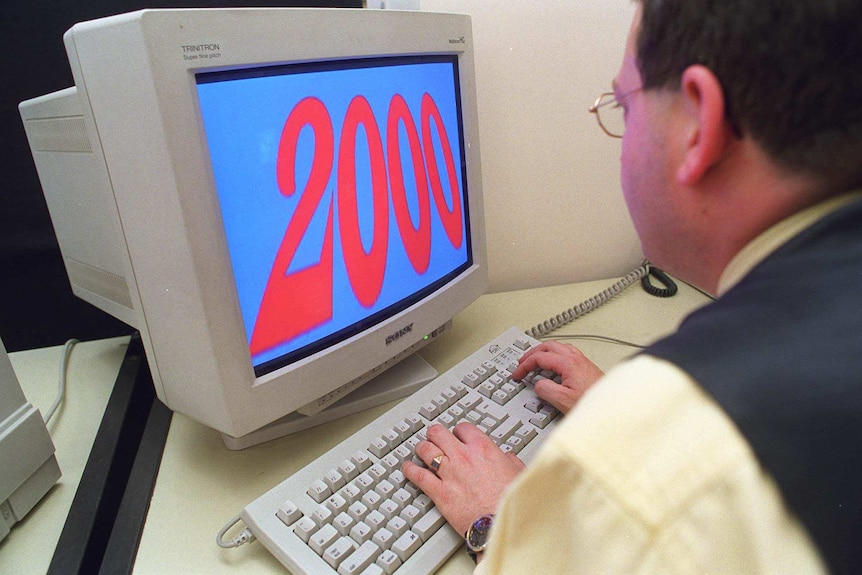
{"points": [[791, 71], [739, 113]]}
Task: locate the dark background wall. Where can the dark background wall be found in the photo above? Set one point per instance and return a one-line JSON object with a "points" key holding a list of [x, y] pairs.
{"points": [[37, 308]]}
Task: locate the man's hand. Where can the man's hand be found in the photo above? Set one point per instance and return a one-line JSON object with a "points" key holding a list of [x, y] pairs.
{"points": [[471, 477], [578, 373]]}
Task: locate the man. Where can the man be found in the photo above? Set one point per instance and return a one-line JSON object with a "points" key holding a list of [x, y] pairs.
{"points": [[732, 446]]}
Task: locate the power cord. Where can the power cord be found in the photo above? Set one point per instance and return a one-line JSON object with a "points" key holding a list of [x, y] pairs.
{"points": [[245, 536], [669, 288], [61, 379], [601, 338]]}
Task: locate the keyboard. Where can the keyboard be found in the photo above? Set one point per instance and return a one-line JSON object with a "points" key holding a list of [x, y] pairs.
{"points": [[352, 512]]}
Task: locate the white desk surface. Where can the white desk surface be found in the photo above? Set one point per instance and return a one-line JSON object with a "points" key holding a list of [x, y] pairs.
{"points": [[202, 485], [92, 370]]}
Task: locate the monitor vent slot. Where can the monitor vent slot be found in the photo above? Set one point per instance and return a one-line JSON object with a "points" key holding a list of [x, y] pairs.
{"points": [[109, 286], [66, 134]]}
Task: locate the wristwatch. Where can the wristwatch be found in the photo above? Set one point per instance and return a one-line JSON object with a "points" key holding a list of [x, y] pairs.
{"points": [[477, 535]]}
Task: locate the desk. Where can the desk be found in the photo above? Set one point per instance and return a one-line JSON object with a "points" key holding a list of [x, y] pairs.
{"points": [[92, 370], [201, 485]]}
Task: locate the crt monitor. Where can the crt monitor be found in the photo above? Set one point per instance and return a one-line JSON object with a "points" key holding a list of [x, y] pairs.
{"points": [[285, 203]]}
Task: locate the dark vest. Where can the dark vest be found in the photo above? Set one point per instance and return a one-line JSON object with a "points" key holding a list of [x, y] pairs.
{"points": [[781, 352]]}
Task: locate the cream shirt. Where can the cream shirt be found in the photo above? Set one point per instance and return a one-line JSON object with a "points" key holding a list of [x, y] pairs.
{"points": [[648, 475]]}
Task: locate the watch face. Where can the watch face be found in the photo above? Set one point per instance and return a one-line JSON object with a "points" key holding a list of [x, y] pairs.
{"points": [[477, 535]]}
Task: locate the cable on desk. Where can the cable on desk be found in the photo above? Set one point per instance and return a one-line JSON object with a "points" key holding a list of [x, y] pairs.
{"points": [[602, 338], [61, 379], [245, 536], [589, 305]]}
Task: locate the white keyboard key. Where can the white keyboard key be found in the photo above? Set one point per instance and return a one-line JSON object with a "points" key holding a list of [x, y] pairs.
{"points": [[397, 479], [441, 403], [336, 504], [289, 513], [321, 540], [377, 472], [522, 344], [406, 545], [428, 524], [388, 562], [500, 397], [361, 460], [371, 499], [374, 569], [376, 520], [305, 528], [383, 538], [397, 526], [514, 444], [410, 514], [348, 470], [319, 491], [527, 433], [389, 509], [385, 489], [334, 480], [351, 493], [338, 551], [360, 559], [343, 523], [322, 515], [473, 417], [471, 380], [534, 404], [364, 481], [358, 511], [402, 428], [505, 430], [414, 491], [451, 396], [391, 462], [415, 422], [540, 420], [428, 410], [392, 438], [491, 409], [379, 447], [361, 532], [423, 503], [402, 497]]}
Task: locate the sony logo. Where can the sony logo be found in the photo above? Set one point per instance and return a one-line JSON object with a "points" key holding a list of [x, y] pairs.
{"points": [[460, 40], [403, 331]]}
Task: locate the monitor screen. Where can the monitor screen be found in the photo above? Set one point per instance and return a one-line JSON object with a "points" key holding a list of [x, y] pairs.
{"points": [[342, 191]]}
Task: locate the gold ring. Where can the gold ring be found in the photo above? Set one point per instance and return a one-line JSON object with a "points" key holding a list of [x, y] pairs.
{"points": [[435, 463]]}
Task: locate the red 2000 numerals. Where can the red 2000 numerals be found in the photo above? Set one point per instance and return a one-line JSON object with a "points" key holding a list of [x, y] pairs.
{"points": [[296, 302]]}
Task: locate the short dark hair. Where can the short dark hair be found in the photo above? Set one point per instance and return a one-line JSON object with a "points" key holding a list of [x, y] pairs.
{"points": [[791, 71]]}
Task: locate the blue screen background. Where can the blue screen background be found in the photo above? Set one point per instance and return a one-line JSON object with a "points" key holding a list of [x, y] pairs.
{"points": [[243, 120]]}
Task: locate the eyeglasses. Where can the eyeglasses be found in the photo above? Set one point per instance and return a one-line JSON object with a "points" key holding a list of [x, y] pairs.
{"points": [[609, 113]]}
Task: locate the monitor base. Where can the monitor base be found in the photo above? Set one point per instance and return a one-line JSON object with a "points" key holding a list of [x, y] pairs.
{"points": [[400, 380]]}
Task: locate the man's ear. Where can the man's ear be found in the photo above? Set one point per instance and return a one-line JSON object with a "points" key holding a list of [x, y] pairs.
{"points": [[708, 134]]}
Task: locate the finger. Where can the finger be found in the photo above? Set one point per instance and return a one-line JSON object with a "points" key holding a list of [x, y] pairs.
{"points": [[565, 349], [528, 363], [422, 478], [561, 397], [468, 433], [515, 459], [427, 451], [545, 360], [443, 439]]}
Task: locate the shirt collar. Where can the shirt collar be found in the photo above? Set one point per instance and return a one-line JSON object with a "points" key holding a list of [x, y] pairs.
{"points": [[763, 245]]}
